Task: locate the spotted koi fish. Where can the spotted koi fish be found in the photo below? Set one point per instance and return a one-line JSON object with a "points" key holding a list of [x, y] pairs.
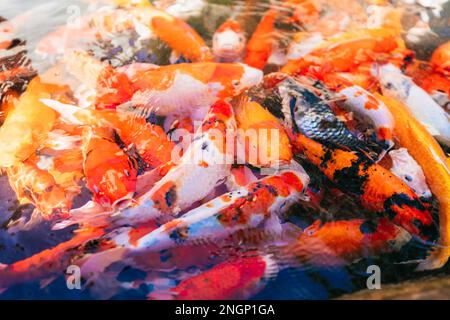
{"points": [[257, 205], [362, 177]]}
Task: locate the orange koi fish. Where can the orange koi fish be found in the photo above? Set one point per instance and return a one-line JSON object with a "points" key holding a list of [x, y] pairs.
{"points": [[259, 47], [28, 124], [345, 52], [412, 135], [259, 132], [341, 243], [47, 263], [150, 141], [38, 187], [110, 174]]}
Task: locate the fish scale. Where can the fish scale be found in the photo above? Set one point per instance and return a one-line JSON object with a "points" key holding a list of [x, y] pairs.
{"points": [[314, 117]]}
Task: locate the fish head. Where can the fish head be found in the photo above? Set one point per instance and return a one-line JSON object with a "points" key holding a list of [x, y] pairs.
{"points": [[393, 83], [229, 43]]}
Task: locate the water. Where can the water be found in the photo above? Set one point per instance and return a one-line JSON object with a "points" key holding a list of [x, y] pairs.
{"points": [[34, 19]]}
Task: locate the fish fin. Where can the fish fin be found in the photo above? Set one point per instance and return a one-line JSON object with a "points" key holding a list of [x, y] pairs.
{"points": [[66, 111]]}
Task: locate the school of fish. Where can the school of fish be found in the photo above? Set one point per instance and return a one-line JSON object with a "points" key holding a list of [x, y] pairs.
{"points": [[196, 167]]}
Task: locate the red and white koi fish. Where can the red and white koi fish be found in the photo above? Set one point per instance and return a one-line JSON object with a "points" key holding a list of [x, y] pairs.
{"points": [[257, 205]]}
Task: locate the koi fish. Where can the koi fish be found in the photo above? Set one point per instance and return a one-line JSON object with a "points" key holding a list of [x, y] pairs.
{"points": [[406, 168], [362, 177], [396, 85], [344, 52], [436, 84], [28, 124], [110, 174], [314, 117], [440, 59], [38, 187], [413, 136], [238, 278], [264, 139], [47, 263], [229, 42], [150, 141], [207, 158], [188, 88], [259, 47], [340, 243], [363, 103], [257, 205]]}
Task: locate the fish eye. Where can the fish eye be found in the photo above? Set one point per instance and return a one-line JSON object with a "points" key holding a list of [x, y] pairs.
{"points": [[389, 85], [408, 178], [235, 83]]}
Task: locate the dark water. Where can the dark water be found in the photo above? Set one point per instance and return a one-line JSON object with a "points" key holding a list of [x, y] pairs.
{"points": [[290, 283]]}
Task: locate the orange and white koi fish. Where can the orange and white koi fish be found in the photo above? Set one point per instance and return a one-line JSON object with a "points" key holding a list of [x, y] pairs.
{"points": [[412, 135], [229, 42], [396, 85], [436, 84], [110, 173], [340, 243], [188, 88], [259, 47], [257, 205], [239, 278], [344, 52], [260, 133]]}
